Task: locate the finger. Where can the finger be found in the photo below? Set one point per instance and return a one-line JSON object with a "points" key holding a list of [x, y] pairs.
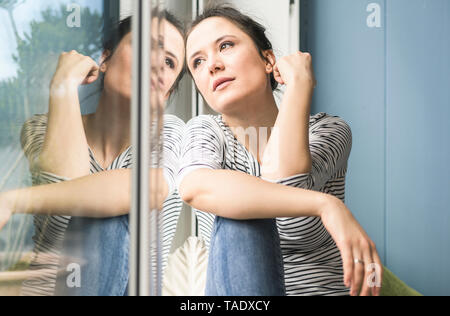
{"points": [[367, 285], [93, 72], [306, 54], [94, 63], [278, 78], [89, 80], [91, 63], [358, 274], [348, 265], [92, 76], [277, 74]]}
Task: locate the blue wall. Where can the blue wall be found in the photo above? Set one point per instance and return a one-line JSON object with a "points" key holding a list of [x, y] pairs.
{"points": [[391, 83]]}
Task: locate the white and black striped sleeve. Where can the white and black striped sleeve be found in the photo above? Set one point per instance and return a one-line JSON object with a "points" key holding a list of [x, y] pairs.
{"points": [[49, 230], [203, 147], [32, 138], [330, 147], [173, 131]]}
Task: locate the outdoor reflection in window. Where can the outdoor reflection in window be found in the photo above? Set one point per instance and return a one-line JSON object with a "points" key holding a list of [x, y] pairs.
{"points": [[68, 101], [34, 33]]}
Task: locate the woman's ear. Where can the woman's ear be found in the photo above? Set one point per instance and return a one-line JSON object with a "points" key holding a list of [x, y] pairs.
{"points": [[106, 55], [270, 59]]}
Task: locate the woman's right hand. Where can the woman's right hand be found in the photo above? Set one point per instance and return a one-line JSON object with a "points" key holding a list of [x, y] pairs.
{"points": [[358, 251], [74, 70], [295, 68]]}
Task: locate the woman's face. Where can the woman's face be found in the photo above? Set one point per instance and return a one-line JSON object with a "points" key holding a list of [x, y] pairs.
{"points": [[118, 70], [226, 65], [174, 55]]}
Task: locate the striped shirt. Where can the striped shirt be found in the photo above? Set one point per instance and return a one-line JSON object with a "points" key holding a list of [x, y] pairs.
{"points": [[50, 230], [312, 261]]}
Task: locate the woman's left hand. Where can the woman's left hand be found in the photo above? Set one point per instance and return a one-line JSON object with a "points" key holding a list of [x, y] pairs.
{"points": [[363, 269], [5, 210], [295, 68]]}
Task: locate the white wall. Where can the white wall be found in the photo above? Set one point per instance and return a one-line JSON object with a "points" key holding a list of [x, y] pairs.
{"points": [[125, 8], [274, 15]]}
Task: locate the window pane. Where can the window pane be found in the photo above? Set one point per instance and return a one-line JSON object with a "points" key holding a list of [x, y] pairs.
{"points": [[63, 128]]}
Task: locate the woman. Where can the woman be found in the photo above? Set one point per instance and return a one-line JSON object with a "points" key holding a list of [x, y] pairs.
{"points": [[234, 68], [95, 150]]}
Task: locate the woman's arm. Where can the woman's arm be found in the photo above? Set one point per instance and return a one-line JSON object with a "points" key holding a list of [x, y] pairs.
{"points": [[287, 152], [330, 147], [240, 196], [65, 148], [237, 195], [104, 194]]}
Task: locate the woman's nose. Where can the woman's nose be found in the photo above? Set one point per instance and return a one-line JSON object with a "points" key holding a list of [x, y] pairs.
{"points": [[215, 65]]}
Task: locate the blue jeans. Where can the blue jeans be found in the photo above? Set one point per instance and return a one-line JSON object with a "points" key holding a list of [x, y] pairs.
{"points": [[245, 259], [101, 248]]}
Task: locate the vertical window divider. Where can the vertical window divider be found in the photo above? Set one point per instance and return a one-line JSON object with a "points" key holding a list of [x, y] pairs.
{"points": [[141, 276]]}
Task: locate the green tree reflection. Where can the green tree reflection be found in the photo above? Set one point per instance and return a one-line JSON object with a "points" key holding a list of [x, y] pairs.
{"points": [[36, 58]]}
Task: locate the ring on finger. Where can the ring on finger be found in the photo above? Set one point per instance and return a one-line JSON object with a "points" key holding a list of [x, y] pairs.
{"points": [[359, 261]]}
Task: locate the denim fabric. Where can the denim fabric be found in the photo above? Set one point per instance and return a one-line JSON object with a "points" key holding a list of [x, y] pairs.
{"points": [[245, 259], [101, 248]]}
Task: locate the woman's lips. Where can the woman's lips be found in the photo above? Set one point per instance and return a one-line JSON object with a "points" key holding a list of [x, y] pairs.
{"points": [[222, 83]]}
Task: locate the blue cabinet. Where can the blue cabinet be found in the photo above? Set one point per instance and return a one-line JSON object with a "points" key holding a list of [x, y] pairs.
{"points": [[384, 67]]}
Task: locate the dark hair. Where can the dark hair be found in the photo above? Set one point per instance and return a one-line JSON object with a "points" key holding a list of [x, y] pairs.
{"points": [[123, 28], [255, 30], [113, 39]]}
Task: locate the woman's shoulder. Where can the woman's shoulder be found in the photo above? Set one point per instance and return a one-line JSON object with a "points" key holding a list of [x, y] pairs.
{"points": [[207, 121], [34, 128], [206, 125], [326, 127], [173, 129], [37, 120], [326, 119], [32, 136], [173, 120]]}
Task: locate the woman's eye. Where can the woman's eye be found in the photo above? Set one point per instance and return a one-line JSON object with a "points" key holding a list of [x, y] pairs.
{"points": [[170, 63], [226, 45], [197, 63]]}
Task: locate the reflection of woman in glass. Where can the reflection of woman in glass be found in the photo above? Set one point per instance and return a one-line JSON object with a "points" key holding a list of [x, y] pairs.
{"points": [[234, 68], [95, 151]]}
